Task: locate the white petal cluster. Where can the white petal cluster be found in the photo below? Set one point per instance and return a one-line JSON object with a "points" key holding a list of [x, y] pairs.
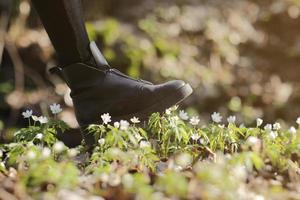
{"points": [[252, 140], [268, 127], [195, 136], [43, 120], [35, 118], [137, 136], [135, 120], [259, 122], [292, 130], [39, 136], [216, 117], [58, 147], [273, 135], [222, 126], [31, 155], [144, 144], [27, 114], [124, 125], [298, 121], [106, 118], [194, 120], [46, 152], [101, 141], [183, 115], [276, 126], [231, 119], [117, 124], [72, 152], [2, 165], [168, 111], [55, 108]]}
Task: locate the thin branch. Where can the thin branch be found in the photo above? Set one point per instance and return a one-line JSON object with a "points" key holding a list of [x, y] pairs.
{"points": [[4, 19]]}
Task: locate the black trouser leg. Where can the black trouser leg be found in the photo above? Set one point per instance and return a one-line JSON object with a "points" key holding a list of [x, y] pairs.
{"points": [[63, 21]]}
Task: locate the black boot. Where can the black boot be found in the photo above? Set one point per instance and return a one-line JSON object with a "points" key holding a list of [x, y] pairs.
{"points": [[100, 89]]}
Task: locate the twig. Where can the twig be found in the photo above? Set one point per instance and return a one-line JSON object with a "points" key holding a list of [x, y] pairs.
{"points": [[4, 19], [17, 63]]}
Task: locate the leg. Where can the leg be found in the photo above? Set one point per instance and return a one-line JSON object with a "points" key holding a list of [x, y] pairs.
{"points": [[96, 88], [64, 24]]}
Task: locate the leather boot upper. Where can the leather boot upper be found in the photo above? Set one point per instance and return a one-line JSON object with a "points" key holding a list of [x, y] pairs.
{"points": [[100, 89]]}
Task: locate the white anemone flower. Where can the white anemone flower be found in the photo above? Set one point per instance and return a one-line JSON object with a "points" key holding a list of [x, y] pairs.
{"points": [[174, 108], [298, 121], [58, 147], [101, 141], [72, 152], [31, 155], [273, 135], [183, 115], [106, 118], [216, 117], [2, 165], [259, 122], [135, 120], [144, 144], [222, 126], [168, 111], [35, 118], [27, 114], [252, 140], [231, 119], [268, 127], [46, 152], [39, 136], [195, 136], [276, 126], [292, 130], [194, 120], [43, 120], [124, 125], [55, 108], [137, 136], [117, 125], [1, 153]]}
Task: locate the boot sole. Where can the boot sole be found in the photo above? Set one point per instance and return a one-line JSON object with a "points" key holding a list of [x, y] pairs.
{"points": [[170, 100]]}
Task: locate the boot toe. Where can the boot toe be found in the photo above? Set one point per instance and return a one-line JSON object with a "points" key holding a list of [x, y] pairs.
{"points": [[170, 87], [175, 84]]}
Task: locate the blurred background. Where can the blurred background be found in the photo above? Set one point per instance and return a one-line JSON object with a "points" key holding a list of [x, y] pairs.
{"points": [[241, 57]]}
